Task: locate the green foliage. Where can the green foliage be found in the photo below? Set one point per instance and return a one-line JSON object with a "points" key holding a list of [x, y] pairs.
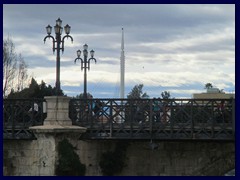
{"points": [[69, 163], [80, 96], [137, 92], [165, 94], [34, 91], [208, 86], [112, 163]]}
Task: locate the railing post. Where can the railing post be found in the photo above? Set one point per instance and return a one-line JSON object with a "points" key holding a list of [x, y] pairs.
{"points": [[151, 116], [191, 114], [171, 119], [111, 118], [131, 110], [233, 116], [212, 120], [12, 119]]}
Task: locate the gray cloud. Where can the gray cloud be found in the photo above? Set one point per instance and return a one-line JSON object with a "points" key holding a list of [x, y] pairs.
{"points": [[165, 39]]}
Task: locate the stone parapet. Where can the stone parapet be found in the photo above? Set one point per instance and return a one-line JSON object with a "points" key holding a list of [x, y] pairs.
{"points": [[58, 129], [57, 111]]}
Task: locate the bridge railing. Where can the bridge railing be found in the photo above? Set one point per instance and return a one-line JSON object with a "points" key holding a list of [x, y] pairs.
{"points": [[130, 118], [19, 115], [155, 118]]}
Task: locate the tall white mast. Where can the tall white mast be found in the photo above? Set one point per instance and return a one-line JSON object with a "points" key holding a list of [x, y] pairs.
{"points": [[122, 68]]}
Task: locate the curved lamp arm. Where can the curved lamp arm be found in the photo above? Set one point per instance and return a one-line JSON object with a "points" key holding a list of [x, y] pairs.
{"points": [[53, 40], [66, 36], [80, 59], [89, 62], [92, 59]]}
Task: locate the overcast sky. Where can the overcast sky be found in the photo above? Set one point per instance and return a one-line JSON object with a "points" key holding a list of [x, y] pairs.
{"points": [[177, 48]]}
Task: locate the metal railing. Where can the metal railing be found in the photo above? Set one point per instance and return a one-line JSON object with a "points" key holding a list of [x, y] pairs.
{"points": [[176, 119], [203, 119], [19, 115]]}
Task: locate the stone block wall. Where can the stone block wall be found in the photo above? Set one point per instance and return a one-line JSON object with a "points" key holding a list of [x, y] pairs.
{"points": [[39, 157], [29, 157], [167, 159]]}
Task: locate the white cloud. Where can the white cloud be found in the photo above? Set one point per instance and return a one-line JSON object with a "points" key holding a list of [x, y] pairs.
{"points": [[165, 45]]}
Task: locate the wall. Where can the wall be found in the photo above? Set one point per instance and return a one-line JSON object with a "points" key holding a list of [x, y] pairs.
{"points": [[38, 157], [168, 159], [29, 157]]}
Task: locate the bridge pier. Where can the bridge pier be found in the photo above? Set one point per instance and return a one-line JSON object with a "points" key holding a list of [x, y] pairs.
{"points": [[39, 157], [57, 126]]}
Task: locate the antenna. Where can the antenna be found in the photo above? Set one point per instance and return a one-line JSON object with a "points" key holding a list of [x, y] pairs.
{"points": [[122, 68]]}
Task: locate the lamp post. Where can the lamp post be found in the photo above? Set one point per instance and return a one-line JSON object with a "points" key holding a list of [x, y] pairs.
{"points": [[85, 64], [58, 44]]}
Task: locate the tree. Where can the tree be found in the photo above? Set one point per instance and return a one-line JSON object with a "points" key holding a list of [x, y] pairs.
{"points": [[35, 91], [137, 92], [14, 69], [80, 96], [165, 94], [208, 86], [9, 65], [22, 73]]}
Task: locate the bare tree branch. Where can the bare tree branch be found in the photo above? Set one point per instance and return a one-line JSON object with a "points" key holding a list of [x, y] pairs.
{"points": [[14, 68]]}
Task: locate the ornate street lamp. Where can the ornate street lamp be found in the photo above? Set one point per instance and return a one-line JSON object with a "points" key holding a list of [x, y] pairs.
{"points": [[85, 64], [59, 42]]}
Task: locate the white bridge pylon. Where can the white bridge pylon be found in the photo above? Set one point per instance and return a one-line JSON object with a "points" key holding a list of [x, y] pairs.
{"points": [[121, 117]]}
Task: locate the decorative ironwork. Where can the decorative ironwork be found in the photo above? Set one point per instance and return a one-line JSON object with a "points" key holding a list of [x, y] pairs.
{"points": [[166, 119], [202, 119], [19, 115]]}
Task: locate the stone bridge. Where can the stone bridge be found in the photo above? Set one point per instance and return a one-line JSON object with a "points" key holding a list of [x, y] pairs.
{"points": [[170, 155]]}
